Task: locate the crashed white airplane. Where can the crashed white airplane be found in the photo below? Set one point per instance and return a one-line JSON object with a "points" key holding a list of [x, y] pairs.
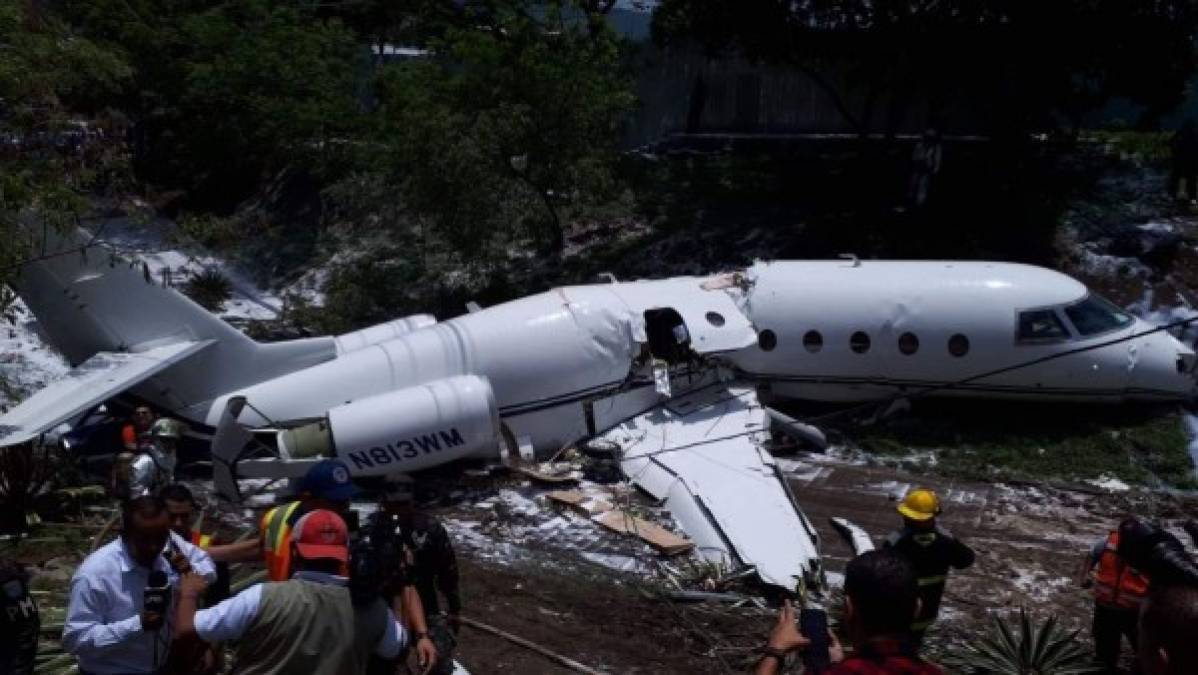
{"points": [[666, 371]]}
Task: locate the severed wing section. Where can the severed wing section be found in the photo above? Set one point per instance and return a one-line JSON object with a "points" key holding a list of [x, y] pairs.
{"points": [[99, 378], [701, 454]]}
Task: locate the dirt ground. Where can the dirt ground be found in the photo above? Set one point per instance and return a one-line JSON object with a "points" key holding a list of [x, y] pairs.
{"points": [[1030, 540]]}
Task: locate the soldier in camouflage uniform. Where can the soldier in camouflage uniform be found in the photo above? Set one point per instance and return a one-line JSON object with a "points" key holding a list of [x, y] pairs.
{"points": [[428, 562]]}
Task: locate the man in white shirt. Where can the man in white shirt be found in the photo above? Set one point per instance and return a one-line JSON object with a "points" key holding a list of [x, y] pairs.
{"points": [[310, 624], [106, 628]]}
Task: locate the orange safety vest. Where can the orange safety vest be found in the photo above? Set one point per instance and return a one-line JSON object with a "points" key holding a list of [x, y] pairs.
{"points": [[276, 540], [1117, 584]]}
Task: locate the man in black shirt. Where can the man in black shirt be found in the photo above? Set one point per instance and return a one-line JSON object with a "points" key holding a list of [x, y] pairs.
{"points": [[419, 552], [930, 550]]}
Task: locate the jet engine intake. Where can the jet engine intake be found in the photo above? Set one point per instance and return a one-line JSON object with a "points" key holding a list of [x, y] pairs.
{"points": [[404, 430]]}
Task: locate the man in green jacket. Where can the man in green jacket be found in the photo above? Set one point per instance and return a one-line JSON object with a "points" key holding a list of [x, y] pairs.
{"points": [[307, 625]]}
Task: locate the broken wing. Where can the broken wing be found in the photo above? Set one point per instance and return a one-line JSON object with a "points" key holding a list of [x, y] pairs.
{"points": [[701, 454], [92, 382]]}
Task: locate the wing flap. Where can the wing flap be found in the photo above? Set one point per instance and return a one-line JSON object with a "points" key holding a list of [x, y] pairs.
{"points": [[701, 454], [97, 379]]}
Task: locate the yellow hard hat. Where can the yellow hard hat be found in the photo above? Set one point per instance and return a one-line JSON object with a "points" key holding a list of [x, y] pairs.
{"points": [[920, 504]]}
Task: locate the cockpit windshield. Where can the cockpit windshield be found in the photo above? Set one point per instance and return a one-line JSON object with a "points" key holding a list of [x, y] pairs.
{"points": [[1094, 315], [1041, 325]]}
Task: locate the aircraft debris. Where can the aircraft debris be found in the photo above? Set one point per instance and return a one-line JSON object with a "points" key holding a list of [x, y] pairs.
{"points": [[857, 538], [587, 504], [666, 371], [658, 537], [550, 475]]}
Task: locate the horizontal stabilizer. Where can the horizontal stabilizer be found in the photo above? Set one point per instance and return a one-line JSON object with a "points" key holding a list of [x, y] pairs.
{"points": [[701, 454], [97, 379]]}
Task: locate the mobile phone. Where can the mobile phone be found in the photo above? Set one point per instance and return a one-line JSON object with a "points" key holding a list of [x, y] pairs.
{"points": [[813, 624]]}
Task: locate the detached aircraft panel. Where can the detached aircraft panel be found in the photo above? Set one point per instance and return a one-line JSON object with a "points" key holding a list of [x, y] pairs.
{"points": [[700, 453], [97, 379]]}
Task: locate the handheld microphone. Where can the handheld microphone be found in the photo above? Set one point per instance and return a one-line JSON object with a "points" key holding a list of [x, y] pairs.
{"points": [[157, 595]]}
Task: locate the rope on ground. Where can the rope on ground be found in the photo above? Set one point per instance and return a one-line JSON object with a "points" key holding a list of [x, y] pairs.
{"points": [[527, 644]]}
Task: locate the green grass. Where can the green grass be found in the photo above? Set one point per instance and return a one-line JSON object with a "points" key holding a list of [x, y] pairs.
{"points": [[1141, 445]]}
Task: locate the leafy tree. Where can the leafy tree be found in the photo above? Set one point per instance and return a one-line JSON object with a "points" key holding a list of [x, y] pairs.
{"points": [[227, 93], [266, 85], [49, 158], [510, 126], [1026, 63]]}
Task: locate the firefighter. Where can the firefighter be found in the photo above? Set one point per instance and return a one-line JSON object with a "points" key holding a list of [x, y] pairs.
{"points": [[1119, 591], [153, 467], [931, 550]]}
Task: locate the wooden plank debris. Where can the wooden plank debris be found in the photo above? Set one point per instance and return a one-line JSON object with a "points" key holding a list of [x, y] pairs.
{"points": [[587, 504], [656, 536]]}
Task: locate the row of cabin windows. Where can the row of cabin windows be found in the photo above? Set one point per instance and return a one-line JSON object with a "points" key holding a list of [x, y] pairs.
{"points": [[859, 342]]}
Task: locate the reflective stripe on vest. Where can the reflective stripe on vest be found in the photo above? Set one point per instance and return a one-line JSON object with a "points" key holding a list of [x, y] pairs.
{"points": [[201, 540], [276, 541], [933, 580], [1117, 584]]}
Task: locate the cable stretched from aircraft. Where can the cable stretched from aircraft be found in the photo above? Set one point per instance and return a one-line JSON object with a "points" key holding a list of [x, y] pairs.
{"points": [[872, 405], [999, 371]]}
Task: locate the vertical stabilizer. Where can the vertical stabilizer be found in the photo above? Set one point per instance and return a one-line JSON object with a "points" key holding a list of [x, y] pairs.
{"points": [[88, 300]]}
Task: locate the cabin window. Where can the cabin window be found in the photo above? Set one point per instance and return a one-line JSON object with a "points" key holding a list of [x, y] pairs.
{"points": [[1041, 325], [859, 342], [767, 340], [958, 345], [715, 318], [813, 341], [1094, 315], [908, 343]]}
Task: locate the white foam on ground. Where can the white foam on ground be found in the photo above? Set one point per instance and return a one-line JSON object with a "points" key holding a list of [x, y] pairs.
{"points": [[1110, 483], [1111, 266], [150, 242], [26, 363], [1146, 309]]}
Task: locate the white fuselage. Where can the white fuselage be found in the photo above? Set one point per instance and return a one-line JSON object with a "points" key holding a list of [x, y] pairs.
{"points": [[909, 312], [572, 360]]}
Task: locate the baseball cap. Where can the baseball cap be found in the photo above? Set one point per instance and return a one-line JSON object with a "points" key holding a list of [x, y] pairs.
{"points": [[329, 479], [320, 535]]}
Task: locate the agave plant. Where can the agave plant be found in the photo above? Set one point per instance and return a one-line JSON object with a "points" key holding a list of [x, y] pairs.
{"points": [[1044, 649], [210, 289]]}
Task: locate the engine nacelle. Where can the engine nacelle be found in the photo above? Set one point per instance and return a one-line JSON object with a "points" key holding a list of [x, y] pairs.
{"points": [[360, 339], [404, 430]]}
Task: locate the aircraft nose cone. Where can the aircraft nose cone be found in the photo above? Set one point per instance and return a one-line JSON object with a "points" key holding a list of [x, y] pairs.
{"points": [[1160, 363]]}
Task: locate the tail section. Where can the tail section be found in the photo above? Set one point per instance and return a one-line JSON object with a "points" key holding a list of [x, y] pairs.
{"points": [[88, 300]]}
